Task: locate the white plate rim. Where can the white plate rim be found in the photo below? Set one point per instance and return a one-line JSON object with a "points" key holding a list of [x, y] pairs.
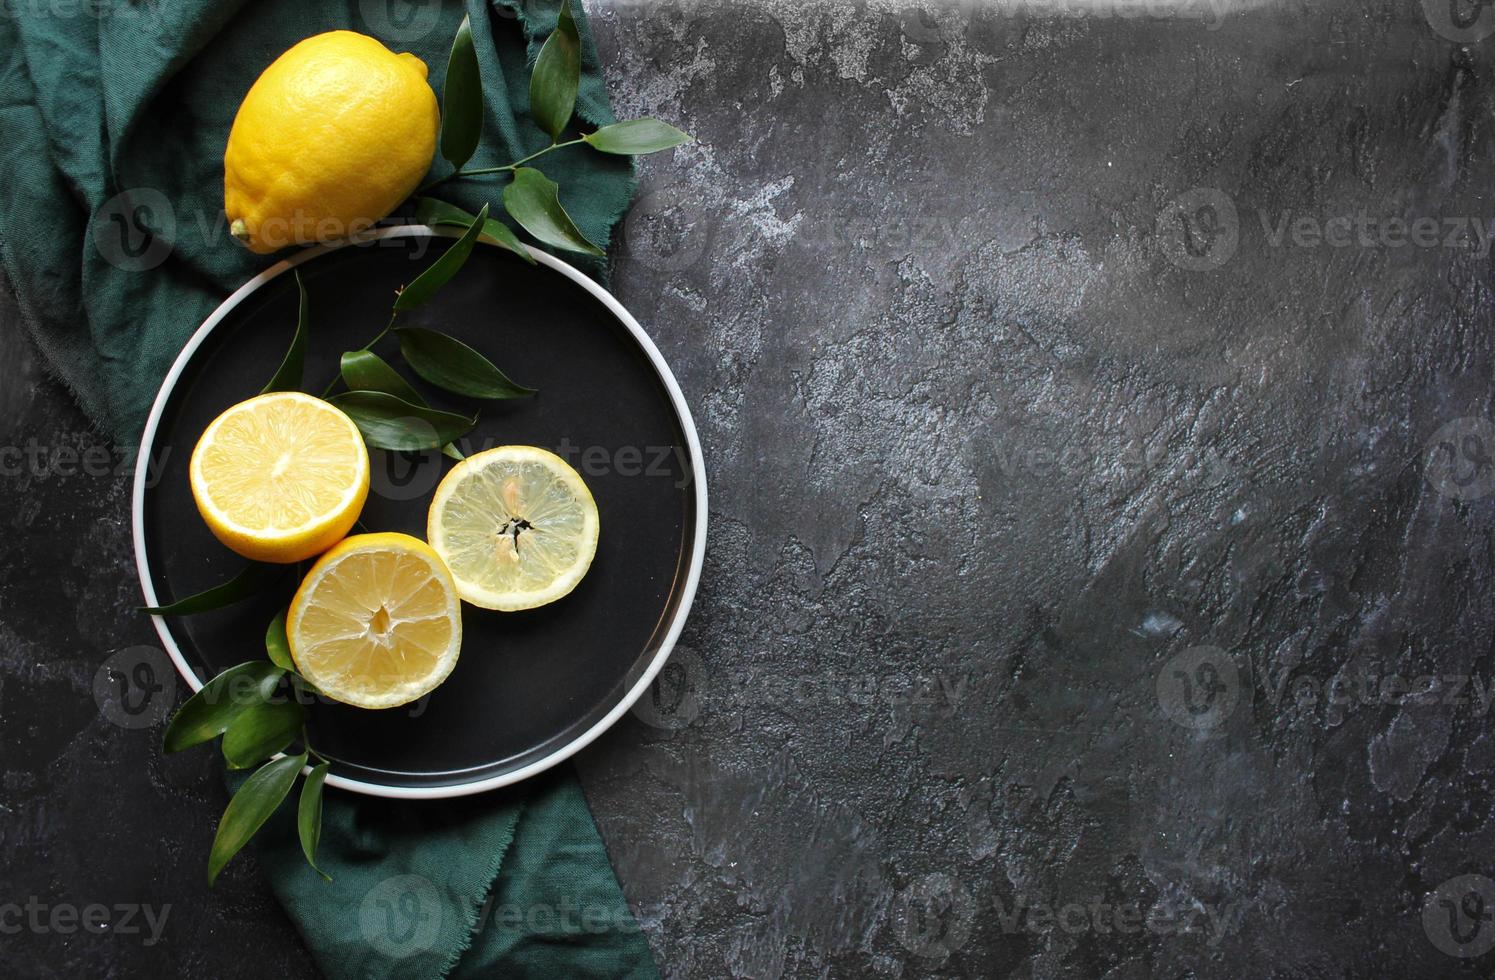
{"points": [[698, 476]]}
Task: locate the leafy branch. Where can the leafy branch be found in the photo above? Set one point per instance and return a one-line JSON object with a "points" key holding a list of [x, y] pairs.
{"points": [[256, 708], [387, 409], [246, 707], [532, 199]]}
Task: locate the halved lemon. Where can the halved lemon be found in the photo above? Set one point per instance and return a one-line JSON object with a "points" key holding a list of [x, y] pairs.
{"points": [[377, 622], [516, 525], [280, 477]]}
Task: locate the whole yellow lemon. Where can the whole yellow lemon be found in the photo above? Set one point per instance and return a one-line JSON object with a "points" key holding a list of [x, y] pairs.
{"points": [[331, 138]]}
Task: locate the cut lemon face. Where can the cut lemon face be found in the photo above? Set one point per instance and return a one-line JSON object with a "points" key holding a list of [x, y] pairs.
{"points": [[516, 525], [280, 477], [376, 623]]}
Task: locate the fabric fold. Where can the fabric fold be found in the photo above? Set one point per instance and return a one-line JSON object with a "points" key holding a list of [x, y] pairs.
{"points": [[113, 122]]}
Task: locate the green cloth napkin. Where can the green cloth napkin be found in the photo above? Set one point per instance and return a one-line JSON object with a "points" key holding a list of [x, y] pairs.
{"points": [[113, 120], [513, 884]]}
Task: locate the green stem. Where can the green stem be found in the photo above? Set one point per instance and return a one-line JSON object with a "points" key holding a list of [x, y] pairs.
{"points": [[368, 346], [382, 333], [482, 171], [520, 162], [306, 741]]}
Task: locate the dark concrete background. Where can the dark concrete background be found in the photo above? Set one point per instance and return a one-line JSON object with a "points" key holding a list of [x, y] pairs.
{"points": [[1100, 532]]}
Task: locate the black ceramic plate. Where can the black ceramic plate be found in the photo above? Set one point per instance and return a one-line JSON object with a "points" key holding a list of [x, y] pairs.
{"points": [[531, 688]]}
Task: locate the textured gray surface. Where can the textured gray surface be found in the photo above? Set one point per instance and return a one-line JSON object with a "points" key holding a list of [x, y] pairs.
{"points": [[1095, 465]]}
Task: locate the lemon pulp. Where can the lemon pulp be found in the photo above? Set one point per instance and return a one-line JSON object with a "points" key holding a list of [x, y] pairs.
{"points": [[377, 622], [280, 477], [516, 525]]}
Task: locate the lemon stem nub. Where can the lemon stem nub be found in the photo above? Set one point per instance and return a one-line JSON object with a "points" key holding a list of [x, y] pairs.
{"points": [[239, 230]]}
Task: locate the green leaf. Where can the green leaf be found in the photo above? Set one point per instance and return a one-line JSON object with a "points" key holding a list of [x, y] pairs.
{"points": [[208, 713], [260, 731], [553, 83], [461, 100], [448, 363], [533, 200], [276, 644], [250, 808], [309, 816], [388, 422], [429, 211], [288, 375], [253, 580], [637, 136], [364, 370], [438, 273]]}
